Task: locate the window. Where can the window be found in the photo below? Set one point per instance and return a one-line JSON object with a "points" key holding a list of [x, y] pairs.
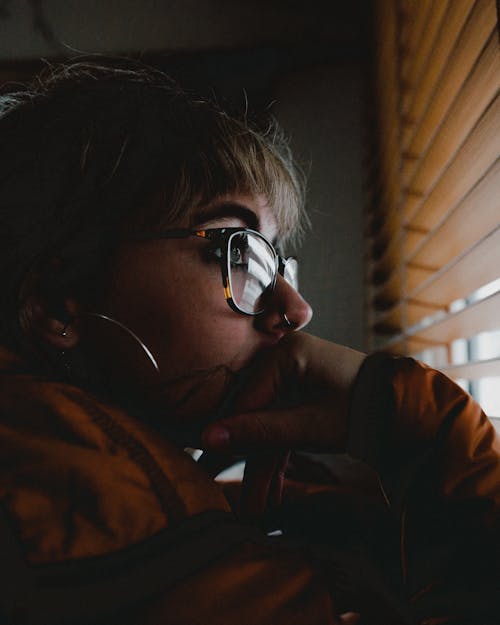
{"points": [[433, 216]]}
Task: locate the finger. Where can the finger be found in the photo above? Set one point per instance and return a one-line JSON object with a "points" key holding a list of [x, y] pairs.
{"points": [[257, 479], [277, 484], [262, 482], [350, 618], [310, 426], [299, 364]]}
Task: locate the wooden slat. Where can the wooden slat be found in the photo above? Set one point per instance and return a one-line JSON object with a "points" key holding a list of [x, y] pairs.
{"points": [[445, 43], [421, 58], [387, 95], [481, 316], [474, 370], [380, 344], [383, 268], [388, 293], [387, 124], [389, 239], [412, 201], [416, 25], [474, 98], [434, 13], [474, 268], [435, 206], [413, 239], [402, 280], [402, 345], [404, 314], [389, 160], [416, 275], [396, 345], [389, 322], [407, 10], [416, 311], [477, 32], [476, 216], [471, 163]]}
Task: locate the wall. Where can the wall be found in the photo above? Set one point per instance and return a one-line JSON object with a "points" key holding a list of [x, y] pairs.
{"points": [[321, 108], [30, 30]]}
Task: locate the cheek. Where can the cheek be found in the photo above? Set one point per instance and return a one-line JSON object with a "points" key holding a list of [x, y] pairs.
{"points": [[180, 313], [201, 339]]}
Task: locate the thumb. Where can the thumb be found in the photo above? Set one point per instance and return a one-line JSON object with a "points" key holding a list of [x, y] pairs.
{"points": [[263, 482]]}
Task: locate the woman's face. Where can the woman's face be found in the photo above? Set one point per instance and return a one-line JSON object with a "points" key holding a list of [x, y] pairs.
{"points": [[169, 293]]}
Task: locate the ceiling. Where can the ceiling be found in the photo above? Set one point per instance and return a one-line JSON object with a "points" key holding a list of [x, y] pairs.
{"points": [[30, 29], [233, 47]]}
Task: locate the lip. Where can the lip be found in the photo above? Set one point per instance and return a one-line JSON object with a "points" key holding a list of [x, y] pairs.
{"points": [[265, 344], [270, 341]]}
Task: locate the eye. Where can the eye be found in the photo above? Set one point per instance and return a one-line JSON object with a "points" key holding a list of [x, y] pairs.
{"points": [[238, 254]]}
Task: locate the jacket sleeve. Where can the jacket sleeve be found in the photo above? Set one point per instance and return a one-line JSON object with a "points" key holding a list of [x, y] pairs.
{"points": [[438, 459]]}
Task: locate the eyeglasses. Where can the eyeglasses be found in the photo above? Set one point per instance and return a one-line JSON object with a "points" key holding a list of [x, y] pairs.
{"points": [[248, 261]]}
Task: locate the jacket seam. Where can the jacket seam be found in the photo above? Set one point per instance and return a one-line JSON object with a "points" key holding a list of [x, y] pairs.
{"points": [[169, 500]]}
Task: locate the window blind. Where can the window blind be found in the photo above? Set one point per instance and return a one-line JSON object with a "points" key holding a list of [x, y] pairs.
{"points": [[432, 226]]}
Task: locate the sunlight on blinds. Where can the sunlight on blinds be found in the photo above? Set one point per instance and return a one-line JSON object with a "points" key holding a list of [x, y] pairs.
{"points": [[433, 213]]}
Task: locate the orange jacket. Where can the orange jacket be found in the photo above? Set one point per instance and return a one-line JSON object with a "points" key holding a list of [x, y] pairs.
{"points": [[103, 521]]}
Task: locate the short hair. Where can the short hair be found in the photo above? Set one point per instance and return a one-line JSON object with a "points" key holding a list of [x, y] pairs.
{"points": [[90, 142]]}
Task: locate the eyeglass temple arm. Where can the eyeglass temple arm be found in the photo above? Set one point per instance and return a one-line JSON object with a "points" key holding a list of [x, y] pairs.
{"points": [[176, 233]]}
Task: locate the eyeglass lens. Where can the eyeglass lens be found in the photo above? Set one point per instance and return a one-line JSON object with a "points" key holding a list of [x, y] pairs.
{"points": [[252, 267], [291, 272]]}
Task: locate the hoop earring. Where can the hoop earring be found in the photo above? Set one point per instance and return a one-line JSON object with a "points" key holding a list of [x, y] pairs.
{"points": [[123, 327]]}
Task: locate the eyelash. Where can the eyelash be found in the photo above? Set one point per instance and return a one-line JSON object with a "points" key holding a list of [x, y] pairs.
{"points": [[214, 253]]}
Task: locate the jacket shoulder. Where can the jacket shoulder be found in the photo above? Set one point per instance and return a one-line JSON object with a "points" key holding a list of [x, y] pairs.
{"points": [[81, 478]]}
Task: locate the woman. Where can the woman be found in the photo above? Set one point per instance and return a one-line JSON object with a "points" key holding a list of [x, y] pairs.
{"points": [[145, 308]]}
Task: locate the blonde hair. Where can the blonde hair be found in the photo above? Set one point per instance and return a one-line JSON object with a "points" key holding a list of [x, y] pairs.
{"points": [[234, 157]]}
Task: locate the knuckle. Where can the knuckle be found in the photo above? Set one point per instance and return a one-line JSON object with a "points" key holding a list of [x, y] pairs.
{"points": [[262, 431]]}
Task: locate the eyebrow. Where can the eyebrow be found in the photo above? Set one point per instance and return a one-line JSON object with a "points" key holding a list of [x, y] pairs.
{"points": [[226, 209]]}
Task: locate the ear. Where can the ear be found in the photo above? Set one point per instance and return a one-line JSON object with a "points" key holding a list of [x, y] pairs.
{"points": [[55, 326]]}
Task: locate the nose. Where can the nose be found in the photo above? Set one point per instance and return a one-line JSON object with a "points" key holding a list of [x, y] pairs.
{"points": [[286, 312]]}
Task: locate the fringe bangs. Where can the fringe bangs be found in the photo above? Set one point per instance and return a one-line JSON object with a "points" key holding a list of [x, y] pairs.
{"points": [[235, 158]]}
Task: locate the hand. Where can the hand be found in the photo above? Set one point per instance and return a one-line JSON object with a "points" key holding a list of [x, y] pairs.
{"points": [[297, 398]]}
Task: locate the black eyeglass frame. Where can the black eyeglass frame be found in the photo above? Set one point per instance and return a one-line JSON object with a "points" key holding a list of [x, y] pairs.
{"points": [[220, 237]]}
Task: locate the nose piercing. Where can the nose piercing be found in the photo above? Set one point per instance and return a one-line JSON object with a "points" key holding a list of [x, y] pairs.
{"points": [[287, 322]]}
